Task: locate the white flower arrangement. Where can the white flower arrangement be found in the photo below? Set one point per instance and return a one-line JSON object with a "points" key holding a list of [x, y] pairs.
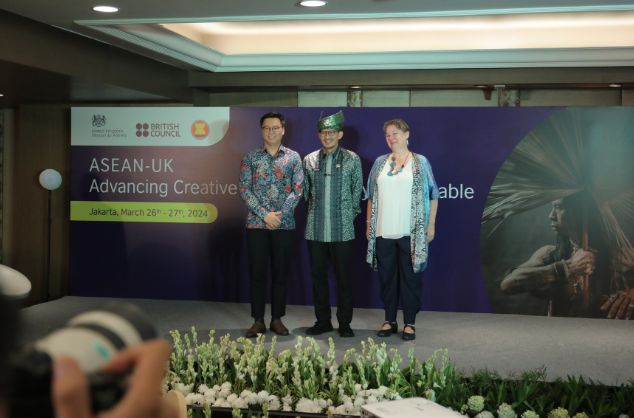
{"points": [[243, 374], [225, 373], [559, 413], [506, 411]]}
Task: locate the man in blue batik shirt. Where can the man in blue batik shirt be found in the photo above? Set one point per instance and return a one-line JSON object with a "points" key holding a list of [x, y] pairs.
{"points": [[332, 187], [271, 179]]}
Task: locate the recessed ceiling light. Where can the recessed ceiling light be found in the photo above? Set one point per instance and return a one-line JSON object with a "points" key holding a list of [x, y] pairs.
{"points": [[615, 85], [1, 95], [312, 3], [106, 9]]}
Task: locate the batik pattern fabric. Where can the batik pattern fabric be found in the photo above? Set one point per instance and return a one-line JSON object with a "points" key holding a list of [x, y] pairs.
{"points": [[424, 189], [333, 197], [271, 184]]}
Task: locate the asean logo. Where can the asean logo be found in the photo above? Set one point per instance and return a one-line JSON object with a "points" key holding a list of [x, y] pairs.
{"points": [[200, 129]]}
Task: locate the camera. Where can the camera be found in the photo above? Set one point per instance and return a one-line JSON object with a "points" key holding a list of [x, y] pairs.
{"points": [[91, 338]]}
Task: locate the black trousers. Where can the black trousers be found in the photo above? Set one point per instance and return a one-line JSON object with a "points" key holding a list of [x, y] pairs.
{"points": [[397, 276], [340, 254], [266, 246]]}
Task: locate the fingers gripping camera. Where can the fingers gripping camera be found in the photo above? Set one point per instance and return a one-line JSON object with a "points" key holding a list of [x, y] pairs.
{"points": [[91, 338]]}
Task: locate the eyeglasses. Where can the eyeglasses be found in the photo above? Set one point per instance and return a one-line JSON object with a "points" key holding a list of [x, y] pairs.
{"points": [[274, 129], [328, 134]]}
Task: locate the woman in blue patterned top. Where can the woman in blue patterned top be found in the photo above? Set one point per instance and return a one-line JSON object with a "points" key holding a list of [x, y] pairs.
{"points": [[401, 217]]}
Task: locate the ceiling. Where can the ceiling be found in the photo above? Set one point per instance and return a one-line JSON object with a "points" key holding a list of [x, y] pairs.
{"points": [[258, 36]]}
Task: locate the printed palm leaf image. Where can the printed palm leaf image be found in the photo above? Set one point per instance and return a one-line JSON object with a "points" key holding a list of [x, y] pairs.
{"points": [[580, 161]]}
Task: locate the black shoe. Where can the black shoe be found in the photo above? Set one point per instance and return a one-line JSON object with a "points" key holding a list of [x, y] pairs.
{"points": [[319, 328], [345, 331], [393, 329], [409, 336]]}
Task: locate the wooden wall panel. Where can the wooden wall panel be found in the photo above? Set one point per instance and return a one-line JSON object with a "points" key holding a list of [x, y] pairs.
{"points": [[42, 141]]}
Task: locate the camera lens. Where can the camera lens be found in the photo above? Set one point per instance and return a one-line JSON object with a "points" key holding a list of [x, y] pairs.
{"points": [[91, 338], [94, 337]]}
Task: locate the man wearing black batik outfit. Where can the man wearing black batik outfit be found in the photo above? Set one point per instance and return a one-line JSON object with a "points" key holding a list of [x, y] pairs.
{"points": [[332, 187]]}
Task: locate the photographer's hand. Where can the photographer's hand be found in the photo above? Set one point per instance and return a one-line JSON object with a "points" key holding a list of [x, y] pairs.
{"points": [[143, 399]]}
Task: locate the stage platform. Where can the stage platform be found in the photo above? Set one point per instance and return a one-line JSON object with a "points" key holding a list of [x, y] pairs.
{"points": [[598, 349]]}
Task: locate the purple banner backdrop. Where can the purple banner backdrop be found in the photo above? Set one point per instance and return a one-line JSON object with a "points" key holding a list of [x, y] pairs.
{"points": [[466, 147]]}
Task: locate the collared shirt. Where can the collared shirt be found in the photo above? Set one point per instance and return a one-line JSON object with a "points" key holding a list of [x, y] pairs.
{"points": [[271, 184], [333, 186]]}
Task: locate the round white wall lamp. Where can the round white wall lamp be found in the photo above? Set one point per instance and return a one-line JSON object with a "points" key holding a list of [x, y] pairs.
{"points": [[50, 179]]}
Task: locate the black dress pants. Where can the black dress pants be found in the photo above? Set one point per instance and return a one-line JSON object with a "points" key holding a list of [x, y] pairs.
{"points": [[397, 276], [266, 246], [340, 254]]}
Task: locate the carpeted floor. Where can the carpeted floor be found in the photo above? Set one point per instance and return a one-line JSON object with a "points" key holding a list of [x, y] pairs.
{"points": [[599, 349]]}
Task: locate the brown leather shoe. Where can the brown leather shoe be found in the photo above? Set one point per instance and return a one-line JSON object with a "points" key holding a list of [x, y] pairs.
{"points": [[258, 327], [278, 327]]}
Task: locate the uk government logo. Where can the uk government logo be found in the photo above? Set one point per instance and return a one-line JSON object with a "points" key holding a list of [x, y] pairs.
{"points": [[98, 121], [100, 131]]}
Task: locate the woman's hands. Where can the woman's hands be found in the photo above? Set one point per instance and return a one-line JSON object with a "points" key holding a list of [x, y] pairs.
{"points": [[581, 263], [619, 305], [431, 232]]}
